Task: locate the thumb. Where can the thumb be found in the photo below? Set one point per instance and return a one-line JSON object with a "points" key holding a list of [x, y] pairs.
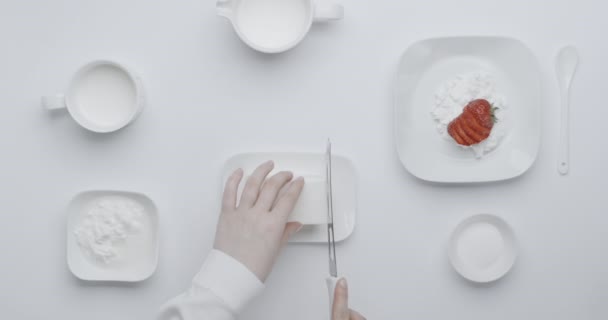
{"points": [[290, 229], [340, 309]]}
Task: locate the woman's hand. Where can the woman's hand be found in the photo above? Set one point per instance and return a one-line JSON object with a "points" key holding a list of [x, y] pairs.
{"points": [[255, 231], [340, 310]]}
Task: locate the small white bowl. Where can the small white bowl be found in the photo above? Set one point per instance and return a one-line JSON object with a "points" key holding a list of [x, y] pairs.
{"points": [[483, 248], [139, 253]]}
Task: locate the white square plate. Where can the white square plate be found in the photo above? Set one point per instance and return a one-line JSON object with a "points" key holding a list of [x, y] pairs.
{"points": [[311, 165], [428, 64], [138, 255]]}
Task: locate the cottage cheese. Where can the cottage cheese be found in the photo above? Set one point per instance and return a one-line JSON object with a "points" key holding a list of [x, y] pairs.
{"points": [[107, 226], [454, 95]]}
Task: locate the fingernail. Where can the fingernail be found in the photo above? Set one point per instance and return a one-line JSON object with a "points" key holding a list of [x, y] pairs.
{"points": [[293, 231], [237, 173], [342, 283]]}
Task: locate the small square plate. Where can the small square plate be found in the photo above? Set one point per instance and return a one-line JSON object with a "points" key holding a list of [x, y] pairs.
{"points": [[136, 256], [428, 64], [311, 165]]}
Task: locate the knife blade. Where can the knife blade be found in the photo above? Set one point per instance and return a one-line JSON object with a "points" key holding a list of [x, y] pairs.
{"points": [[332, 280]]}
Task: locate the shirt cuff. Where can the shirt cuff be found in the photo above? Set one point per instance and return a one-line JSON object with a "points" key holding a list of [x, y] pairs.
{"points": [[229, 280]]}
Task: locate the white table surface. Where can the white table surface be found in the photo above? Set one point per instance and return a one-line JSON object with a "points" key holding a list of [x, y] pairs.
{"points": [[211, 97]]}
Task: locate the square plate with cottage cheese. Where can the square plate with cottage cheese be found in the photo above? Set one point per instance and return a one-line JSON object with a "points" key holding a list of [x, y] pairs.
{"points": [[435, 76], [112, 236]]}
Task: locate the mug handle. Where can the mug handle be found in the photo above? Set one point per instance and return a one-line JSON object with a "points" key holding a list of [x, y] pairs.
{"points": [[224, 8], [328, 11], [54, 102]]}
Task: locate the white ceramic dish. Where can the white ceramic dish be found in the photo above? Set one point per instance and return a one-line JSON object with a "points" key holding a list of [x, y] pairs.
{"points": [[429, 63], [273, 26], [139, 257], [483, 248], [311, 165]]}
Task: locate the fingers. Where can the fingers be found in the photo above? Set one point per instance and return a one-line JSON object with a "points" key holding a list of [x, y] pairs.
{"points": [[252, 187], [340, 309], [290, 229], [354, 315], [231, 190], [287, 202], [282, 193], [271, 189]]}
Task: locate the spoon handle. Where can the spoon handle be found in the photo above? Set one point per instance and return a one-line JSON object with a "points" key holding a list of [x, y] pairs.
{"points": [[563, 165]]}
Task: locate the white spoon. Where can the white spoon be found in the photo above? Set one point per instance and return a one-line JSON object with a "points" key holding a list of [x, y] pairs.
{"points": [[565, 66]]}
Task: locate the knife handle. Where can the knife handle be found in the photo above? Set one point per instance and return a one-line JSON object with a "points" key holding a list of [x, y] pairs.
{"points": [[332, 282]]}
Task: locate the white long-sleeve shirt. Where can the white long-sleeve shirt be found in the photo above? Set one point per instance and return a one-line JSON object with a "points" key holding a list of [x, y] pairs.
{"points": [[219, 291]]}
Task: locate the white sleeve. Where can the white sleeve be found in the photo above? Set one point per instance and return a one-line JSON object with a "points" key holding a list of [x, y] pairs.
{"points": [[219, 291]]}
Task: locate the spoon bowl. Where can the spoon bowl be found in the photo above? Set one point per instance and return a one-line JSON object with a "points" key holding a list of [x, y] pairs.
{"points": [[566, 64]]}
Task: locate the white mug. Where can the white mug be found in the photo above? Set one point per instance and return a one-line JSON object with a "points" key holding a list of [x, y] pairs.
{"points": [[103, 96], [273, 26]]}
